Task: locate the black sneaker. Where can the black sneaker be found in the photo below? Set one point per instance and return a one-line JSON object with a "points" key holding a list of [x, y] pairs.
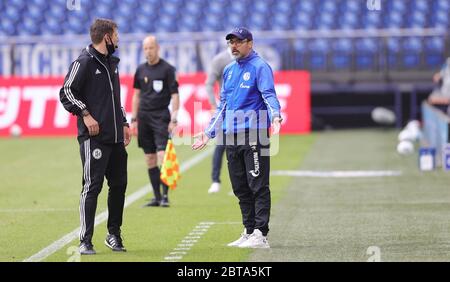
{"points": [[86, 248], [165, 202], [114, 242], [153, 203]]}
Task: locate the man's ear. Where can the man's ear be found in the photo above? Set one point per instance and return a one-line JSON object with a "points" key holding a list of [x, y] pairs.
{"points": [[107, 38]]}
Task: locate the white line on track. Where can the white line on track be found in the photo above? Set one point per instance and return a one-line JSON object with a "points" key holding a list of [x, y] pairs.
{"points": [[186, 243], [337, 173]]}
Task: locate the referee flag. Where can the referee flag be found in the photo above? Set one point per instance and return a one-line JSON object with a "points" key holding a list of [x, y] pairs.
{"points": [[170, 170]]}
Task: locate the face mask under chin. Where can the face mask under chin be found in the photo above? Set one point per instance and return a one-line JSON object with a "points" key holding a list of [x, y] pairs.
{"points": [[111, 47]]}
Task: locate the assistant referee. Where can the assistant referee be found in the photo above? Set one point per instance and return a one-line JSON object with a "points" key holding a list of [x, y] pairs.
{"points": [[155, 88]]}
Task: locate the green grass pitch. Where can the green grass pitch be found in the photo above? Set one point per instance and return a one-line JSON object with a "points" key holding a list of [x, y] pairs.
{"points": [[313, 219]]}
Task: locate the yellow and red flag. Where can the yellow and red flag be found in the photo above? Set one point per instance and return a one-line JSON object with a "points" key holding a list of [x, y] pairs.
{"points": [[170, 170]]}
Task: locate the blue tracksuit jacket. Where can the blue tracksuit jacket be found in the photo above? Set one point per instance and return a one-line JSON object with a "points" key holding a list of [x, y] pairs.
{"points": [[247, 98]]}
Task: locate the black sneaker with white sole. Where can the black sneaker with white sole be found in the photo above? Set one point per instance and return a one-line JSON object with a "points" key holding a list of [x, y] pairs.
{"points": [[165, 202], [153, 203], [86, 248], [114, 242]]}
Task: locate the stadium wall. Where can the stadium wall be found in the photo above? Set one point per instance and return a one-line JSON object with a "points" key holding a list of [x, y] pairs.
{"points": [[33, 104]]}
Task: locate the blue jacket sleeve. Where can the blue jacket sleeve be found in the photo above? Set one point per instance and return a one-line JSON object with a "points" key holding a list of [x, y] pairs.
{"points": [[265, 83], [216, 122]]}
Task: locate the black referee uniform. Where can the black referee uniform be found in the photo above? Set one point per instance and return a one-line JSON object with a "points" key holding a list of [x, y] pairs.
{"points": [[92, 84], [157, 83]]}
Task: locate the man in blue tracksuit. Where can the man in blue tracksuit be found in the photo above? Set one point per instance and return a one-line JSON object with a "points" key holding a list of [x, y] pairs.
{"points": [[248, 108]]}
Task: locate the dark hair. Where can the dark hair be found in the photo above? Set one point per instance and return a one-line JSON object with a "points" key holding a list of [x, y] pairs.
{"points": [[100, 27]]}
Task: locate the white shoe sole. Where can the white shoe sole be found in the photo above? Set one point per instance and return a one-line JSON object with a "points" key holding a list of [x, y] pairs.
{"points": [[233, 245], [213, 191]]}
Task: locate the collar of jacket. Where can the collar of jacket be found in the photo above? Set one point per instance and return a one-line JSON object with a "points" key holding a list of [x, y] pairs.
{"points": [[248, 58], [93, 52]]}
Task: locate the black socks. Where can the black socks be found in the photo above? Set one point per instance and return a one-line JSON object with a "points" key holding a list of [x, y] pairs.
{"points": [[154, 175]]}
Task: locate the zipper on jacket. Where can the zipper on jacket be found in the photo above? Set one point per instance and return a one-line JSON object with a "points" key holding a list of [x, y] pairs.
{"points": [[112, 95]]}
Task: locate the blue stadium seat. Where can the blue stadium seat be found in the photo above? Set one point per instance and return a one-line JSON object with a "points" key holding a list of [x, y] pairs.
{"points": [[258, 22], [188, 23], [412, 44], [12, 13], [366, 53], [169, 9], [318, 50], [34, 12], [210, 23], [39, 3], [28, 27], [394, 49], [301, 48], [193, 8], [353, 5], [422, 5], [123, 22], [412, 47], [434, 50], [302, 21], [47, 17], [280, 22], [372, 21], [233, 20], [57, 12], [322, 14], [262, 7], [349, 20], [394, 19], [300, 14], [342, 54], [238, 7], [19, 4], [101, 11], [7, 27], [282, 7], [443, 5], [52, 26], [307, 6], [329, 7], [398, 6], [126, 11]]}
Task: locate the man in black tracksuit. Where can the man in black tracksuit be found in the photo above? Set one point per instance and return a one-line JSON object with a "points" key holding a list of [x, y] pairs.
{"points": [[91, 91]]}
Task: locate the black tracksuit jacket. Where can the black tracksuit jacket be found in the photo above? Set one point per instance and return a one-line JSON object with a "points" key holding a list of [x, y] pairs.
{"points": [[92, 83]]}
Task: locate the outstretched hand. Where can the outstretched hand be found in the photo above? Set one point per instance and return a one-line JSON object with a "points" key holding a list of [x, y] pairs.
{"points": [[276, 126], [201, 141]]}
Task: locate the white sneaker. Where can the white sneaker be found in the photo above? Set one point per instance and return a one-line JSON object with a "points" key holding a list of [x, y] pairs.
{"points": [[215, 187], [256, 241], [242, 239]]}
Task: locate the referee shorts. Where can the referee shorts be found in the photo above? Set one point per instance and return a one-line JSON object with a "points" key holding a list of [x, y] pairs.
{"points": [[153, 131]]}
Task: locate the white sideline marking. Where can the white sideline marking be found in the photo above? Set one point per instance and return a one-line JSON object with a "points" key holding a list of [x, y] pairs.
{"points": [[337, 174], [186, 244], [204, 226], [66, 239]]}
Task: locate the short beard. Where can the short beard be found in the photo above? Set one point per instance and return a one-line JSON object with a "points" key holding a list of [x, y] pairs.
{"points": [[236, 57]]}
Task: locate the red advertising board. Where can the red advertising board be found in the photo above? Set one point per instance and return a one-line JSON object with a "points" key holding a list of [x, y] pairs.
{"points": [[33, 104]]}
